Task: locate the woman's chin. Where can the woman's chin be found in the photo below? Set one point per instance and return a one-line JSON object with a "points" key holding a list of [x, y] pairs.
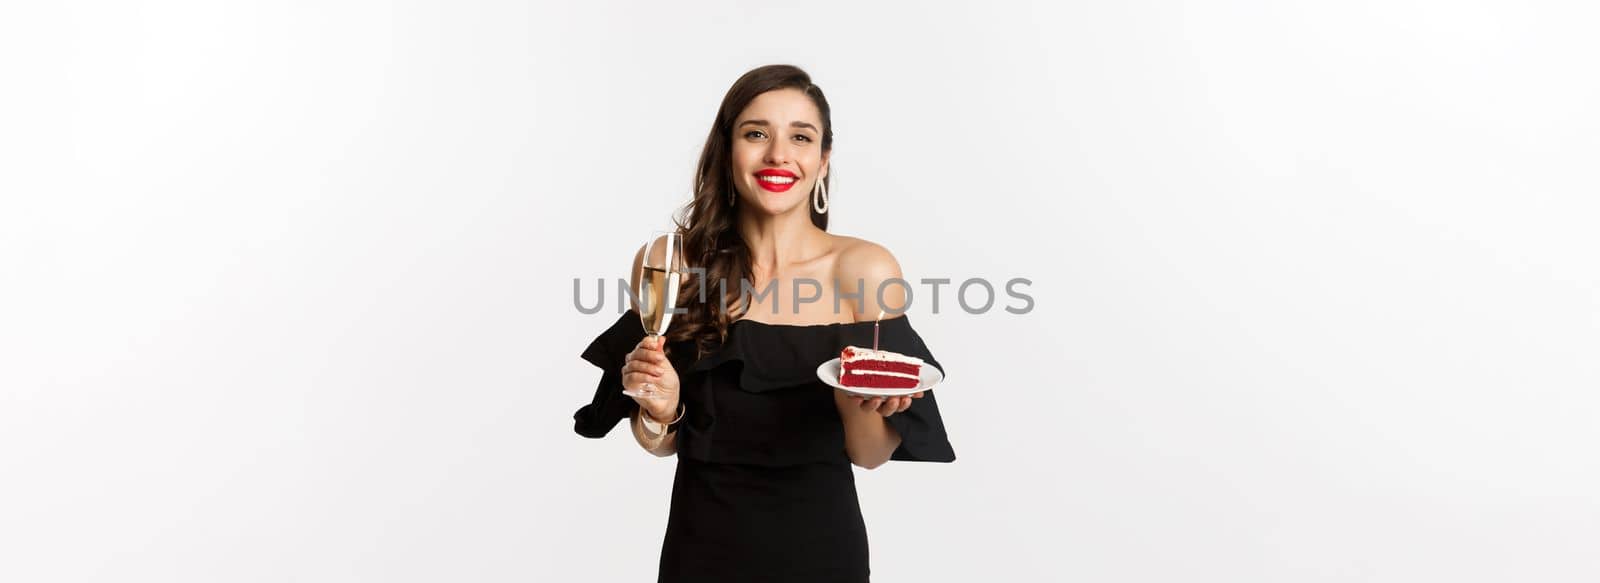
{"points": [[779, 208], [775, 204]]}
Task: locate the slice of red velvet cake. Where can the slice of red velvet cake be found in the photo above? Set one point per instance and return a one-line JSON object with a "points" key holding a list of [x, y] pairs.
{"points": [[878, 369]]}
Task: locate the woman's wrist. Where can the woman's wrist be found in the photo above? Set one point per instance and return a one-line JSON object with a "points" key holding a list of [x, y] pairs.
{"points": [[651, 417]]}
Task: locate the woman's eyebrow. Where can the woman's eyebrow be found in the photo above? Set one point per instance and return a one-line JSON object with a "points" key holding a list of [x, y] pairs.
{"points": [[762, 122]]}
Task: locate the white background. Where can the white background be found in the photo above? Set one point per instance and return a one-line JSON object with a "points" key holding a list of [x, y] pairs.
{"points": [[285, 287]]}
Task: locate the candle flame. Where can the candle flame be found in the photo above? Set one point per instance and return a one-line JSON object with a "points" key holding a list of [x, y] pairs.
{"points": [[875, 330]]}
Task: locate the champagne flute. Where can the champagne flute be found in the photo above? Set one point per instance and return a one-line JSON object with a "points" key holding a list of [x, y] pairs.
{"points": [[660, 274]]}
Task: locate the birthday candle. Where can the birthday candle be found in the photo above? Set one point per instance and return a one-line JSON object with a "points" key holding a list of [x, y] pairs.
{"points": [[875, 330]]}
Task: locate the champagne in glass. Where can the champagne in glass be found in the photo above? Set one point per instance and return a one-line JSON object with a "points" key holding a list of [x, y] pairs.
{"points": [[660, 275], [658, 292]]}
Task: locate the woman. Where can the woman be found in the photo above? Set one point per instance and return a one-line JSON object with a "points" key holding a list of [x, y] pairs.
{"points": [[764, 490]]}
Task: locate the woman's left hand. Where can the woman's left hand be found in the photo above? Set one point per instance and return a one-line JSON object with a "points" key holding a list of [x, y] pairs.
{"points": [[885, 406]]}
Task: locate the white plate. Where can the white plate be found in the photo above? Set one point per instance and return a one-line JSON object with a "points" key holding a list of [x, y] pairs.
{"points": [[829, 373]]}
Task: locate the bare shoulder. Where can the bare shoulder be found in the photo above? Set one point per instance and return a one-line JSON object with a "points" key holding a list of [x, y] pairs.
{"points": [[863, 267], [860, 258]]}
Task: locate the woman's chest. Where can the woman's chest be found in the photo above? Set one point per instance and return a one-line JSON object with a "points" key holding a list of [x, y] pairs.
{"points": [[810, 298]]}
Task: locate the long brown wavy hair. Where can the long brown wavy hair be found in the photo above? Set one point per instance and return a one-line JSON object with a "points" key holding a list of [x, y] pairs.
{"points": [[711, 239]]}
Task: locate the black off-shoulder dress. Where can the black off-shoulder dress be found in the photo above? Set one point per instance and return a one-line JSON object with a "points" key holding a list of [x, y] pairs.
{"points": [[764, 490]]}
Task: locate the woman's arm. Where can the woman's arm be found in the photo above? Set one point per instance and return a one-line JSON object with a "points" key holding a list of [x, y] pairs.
{"points": [[868, 439], [650, 366]]}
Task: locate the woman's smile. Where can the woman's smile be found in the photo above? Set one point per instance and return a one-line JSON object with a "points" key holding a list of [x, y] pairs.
{"points": [[775, 180]]}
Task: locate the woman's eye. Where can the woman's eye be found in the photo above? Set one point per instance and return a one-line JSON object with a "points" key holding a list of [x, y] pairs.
{"points": [[758, 133]]}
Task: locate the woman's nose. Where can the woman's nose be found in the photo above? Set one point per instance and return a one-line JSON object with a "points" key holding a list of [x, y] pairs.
{"points": [[775, 155]]}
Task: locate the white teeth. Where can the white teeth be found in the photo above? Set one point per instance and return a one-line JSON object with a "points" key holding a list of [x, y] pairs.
{"points": [[775, 179]]}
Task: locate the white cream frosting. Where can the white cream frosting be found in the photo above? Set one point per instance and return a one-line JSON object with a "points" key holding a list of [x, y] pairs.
{"points": [[884, 373], [881, 355]]}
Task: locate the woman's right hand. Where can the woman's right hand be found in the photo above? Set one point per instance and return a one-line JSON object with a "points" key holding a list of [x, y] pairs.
{"points": [[647, 369]]}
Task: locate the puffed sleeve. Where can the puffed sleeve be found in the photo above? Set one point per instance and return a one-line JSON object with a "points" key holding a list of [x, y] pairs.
{"points": [[921, 429], [607, 351], [922, 436]]}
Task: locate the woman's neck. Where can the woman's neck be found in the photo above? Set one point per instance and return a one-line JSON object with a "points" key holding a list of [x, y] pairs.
{"points": [[778, 241]]}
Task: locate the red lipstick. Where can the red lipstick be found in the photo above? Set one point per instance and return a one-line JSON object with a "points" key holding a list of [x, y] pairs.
{"points": [[776, 173]]}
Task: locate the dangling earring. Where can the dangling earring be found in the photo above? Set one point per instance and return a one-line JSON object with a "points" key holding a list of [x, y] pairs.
{"points": [[731, 198], [819, 197]]}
